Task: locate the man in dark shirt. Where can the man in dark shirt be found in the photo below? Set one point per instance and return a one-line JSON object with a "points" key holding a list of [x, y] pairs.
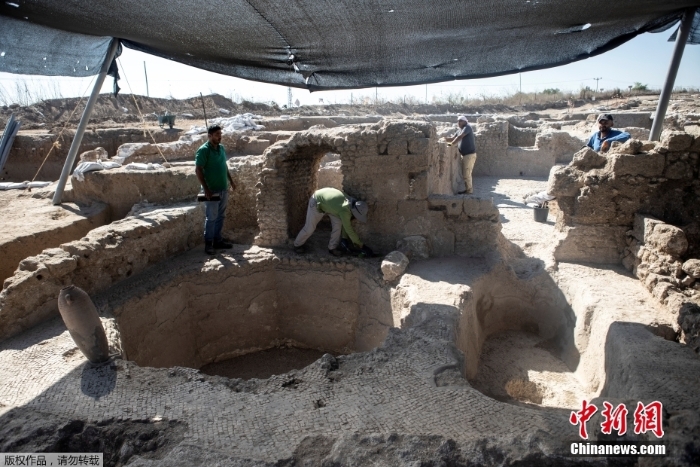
{"points": [[214, 177], [467, 149], [600, 140]]}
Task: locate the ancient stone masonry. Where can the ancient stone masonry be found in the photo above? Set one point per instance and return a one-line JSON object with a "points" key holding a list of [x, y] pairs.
{"points": [[121, 189], [247, 142], [598, 195], [28, 151], [184, 315], [500, 154], [392, 166], [107, 255], [657, 253]]}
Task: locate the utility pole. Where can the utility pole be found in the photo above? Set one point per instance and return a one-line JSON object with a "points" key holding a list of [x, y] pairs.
{"points": [[289, 97], [426, 94], [144, 72], [596, 84]]}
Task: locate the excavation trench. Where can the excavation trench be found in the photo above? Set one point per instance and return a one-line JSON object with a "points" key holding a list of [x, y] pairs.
{"points": [[256, 318], [247, 317]]}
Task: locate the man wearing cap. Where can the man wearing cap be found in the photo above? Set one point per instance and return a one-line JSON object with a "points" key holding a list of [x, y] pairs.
{"points": [[467, 149], [340, 208], [600, 140]]}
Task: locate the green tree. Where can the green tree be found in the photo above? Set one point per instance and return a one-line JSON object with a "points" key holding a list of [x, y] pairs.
{"points": [[639, 87], [551, 91]]}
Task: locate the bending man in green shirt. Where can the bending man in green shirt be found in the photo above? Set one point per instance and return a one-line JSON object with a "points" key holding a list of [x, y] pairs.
{"points": [[340, 209]]}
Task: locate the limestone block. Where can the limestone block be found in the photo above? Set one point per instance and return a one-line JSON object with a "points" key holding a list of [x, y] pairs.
{"points": [[412, 163], [692, 268], [643, 227], [641, 134], [451, 205], [420, 225], [631, 147], [410, 209], [559, 144], [389, 187], [418, 185], [590, 244], [393, 265], [587, 159], [480, 208], [132, 151], [443, 243], [97, 154], [564, 181], [595, 205], [678, 170], [661, 290], [417, 245], [646, 165], [668, 239], [397, 148], [418, 145], [677, 141]]}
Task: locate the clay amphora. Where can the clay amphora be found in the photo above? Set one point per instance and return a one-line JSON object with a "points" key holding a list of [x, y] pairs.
{"points": [[81, 318]]}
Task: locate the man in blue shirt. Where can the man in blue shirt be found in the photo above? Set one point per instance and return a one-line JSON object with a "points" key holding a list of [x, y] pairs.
{"points": [[467, 149], [600, 140]]}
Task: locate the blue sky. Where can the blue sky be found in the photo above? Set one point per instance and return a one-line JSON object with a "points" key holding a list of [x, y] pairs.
{"points": [[644, 59]]}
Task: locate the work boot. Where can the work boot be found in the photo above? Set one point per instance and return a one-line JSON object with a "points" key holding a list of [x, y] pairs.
{"points": [[209, 248], [301, 249], [335, 252], [222, 244]]}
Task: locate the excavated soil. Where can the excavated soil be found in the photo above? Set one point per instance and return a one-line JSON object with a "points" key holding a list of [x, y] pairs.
{"points": [[263, 364]]}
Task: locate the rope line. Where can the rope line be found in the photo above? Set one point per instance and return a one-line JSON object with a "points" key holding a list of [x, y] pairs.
{"points": [[143, 119], [56, 144]]}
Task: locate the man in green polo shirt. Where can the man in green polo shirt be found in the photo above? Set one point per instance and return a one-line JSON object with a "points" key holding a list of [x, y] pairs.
{"points": [[341, 209], [214, 177]]}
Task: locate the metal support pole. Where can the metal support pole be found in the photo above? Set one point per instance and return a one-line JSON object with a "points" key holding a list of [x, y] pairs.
{"points": [[665, 96], [148, 94], [80, 131]]}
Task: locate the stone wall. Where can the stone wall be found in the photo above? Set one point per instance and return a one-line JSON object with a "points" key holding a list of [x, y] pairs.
{"points": [[599, 194], [389, 166], [29, 150], [497, 156], [658, 255], [121, 189], [247, 142], [105, 256], [247, 303], [522, 137]]}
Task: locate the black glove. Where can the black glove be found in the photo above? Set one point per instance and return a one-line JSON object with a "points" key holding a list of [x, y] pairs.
{"points": [[367, 251]]}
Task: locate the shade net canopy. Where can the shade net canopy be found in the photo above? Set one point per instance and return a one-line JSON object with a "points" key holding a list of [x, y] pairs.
{"points": [[328, 44]]}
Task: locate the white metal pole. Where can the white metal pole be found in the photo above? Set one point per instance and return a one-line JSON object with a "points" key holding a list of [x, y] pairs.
{"points": [[80, 131], [665, 96]]}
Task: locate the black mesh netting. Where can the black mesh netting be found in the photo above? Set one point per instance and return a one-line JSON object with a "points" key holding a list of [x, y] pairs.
{"points": [[329, 44]]}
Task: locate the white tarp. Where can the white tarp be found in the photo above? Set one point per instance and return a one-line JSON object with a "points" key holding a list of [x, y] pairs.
{"points": [[230, 124]]}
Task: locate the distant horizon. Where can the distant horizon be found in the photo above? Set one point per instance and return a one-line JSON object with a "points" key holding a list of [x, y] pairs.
{"points": [[618, 68]]}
